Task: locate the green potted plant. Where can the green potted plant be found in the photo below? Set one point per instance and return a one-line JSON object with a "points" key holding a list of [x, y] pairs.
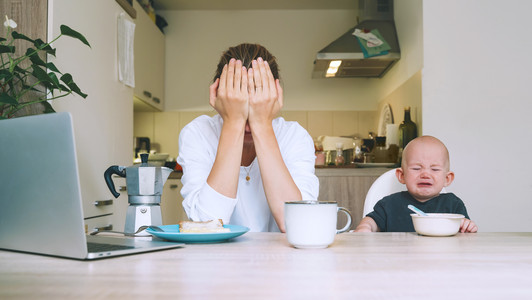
{"points": [[26, 79]]}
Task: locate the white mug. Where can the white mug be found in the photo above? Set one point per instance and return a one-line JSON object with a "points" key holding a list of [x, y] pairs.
{"points": [[312, 224]]}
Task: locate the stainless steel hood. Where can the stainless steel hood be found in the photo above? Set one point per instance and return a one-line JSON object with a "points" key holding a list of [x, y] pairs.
{"points": [[374, 15]]}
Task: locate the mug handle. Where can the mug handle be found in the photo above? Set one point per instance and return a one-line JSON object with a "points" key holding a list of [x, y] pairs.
{"points": [[349, 219]]}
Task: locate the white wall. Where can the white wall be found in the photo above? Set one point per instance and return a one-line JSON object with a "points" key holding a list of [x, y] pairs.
{"points": [[401, 87], [477, 99], [196, 39]]}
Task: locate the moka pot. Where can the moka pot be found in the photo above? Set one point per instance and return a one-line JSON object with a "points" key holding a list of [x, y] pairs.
{"points": [[144, 188]]}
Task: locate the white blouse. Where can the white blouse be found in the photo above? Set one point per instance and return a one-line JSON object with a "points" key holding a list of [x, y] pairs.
{"points": [[198, 143]]}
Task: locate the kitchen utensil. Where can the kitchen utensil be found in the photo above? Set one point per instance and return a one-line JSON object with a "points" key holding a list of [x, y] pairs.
{"points": [[141, 228], [144, 187], [141, 142], [437, 224], [417, 210]]}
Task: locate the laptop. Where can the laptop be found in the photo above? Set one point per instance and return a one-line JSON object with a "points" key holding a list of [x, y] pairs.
{"points": [[40, 197]]}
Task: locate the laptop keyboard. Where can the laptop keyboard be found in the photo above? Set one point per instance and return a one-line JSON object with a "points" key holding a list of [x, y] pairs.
{"points": [[97, 247]]}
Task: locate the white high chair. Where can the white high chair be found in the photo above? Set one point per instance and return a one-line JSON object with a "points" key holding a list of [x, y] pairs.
{"points": [[385, 185]]}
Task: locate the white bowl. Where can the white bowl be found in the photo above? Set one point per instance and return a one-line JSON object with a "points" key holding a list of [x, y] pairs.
{"points": [[437, 224]]}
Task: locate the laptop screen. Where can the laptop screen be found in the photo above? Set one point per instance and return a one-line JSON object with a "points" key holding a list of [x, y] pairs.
{"points": [[40, 198]]}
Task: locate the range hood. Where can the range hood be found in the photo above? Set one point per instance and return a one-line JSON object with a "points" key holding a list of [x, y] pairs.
{"points": [[373, 14]]}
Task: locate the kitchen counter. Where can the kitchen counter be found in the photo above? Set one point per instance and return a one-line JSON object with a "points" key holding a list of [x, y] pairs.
{"points": [[176, 175], [349, 171], [264, 266]]}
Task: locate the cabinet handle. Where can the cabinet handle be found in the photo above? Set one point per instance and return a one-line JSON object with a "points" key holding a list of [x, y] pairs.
{"points": [[147, 94], [107, 227], [174, 186], [103, 202], [156, 100]]}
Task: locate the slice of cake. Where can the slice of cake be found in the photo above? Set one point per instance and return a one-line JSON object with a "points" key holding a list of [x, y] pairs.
{"points": [[202, 227]]}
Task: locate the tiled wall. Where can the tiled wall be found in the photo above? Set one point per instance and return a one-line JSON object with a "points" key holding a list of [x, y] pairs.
{"points": [[163, 127]]}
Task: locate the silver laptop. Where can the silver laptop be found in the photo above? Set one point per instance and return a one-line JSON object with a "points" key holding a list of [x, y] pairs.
{"points": [[40, 199]]}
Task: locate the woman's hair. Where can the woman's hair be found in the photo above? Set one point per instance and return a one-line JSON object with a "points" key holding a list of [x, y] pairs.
{"points": [[247, 53]]}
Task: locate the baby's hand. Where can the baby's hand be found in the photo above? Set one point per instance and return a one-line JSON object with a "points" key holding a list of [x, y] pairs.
{"points": [[361, 229], [468, 226]]}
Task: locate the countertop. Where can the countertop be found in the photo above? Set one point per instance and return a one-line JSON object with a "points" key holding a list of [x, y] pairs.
{"points": [[349, 171], [176, 175], [264, 266], [324, 171]]}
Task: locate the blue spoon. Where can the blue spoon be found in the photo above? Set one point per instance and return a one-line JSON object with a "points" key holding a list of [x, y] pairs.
{"points": [[417, 210]]}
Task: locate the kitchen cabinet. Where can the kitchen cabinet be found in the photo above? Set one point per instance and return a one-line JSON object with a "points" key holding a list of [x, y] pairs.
{"points": [[109, 214], [171, 202], [149, 53], [103, 121], [348, 187]]}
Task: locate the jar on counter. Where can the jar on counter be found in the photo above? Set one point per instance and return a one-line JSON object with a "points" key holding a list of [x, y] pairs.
{"points": [[320, 158], [339, 160]]}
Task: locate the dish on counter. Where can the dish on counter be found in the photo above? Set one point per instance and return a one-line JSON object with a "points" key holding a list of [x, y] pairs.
{"points": [[375, 165], [386, 117], [171, 233]]}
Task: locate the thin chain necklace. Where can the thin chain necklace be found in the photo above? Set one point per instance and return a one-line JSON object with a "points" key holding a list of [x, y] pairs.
{"points": [[248, 169]]}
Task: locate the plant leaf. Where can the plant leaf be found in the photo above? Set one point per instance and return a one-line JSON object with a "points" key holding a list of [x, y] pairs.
{"points": [[65, 30], [39, 44], [47, 107], [55, 81], [41, 74], [34, 58], [67, 79], [52, 67], [20, 36], [7, 49], [2, 39], [76, 90], [5, 98], [4, 74]]}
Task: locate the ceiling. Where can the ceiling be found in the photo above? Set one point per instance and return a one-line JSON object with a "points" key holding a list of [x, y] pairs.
{"points": [[252, 4]]}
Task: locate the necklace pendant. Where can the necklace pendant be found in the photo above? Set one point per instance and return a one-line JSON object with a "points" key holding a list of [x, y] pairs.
{"points": [[247, 178]]}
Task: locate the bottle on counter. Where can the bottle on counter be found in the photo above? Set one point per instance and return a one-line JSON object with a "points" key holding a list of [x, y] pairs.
{"points": [[407, 130], [380, 151], [339, 160]]}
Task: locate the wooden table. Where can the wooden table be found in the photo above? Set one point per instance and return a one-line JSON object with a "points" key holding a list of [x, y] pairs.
{"points": [[264, 266]]}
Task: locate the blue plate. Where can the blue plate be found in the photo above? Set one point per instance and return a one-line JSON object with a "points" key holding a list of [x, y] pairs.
{"points": [[171, 233]]}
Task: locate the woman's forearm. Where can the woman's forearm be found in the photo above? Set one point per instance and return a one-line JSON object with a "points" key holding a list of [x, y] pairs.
{"points": [[226, 168], [278, 184]]}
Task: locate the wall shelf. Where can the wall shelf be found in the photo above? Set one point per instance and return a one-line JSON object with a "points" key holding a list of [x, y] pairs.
{"points": [[127, 5]]}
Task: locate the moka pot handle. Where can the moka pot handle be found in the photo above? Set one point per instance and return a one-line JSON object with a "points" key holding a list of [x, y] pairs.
{"points": [[118, 170]]}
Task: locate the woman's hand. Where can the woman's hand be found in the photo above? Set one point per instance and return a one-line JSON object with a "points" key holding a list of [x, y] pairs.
{"points": [[228, 95], [265, 94]]}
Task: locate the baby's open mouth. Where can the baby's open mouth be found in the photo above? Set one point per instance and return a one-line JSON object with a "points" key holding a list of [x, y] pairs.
{"points": [[424, 184]]}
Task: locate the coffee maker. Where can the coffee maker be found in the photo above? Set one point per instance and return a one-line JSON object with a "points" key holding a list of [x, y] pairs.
{"points": [[144, 187]]}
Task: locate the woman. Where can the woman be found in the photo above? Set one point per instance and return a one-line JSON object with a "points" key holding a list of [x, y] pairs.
{"points": [[243, 164]]}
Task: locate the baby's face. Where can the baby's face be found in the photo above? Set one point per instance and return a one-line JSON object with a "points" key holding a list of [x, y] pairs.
{"points": [[425, 170]]}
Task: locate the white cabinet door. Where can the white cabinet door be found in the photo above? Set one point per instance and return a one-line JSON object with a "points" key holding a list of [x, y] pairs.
{"points": [[118, 220], [103, 122], [172, 202], [149, 52]]}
